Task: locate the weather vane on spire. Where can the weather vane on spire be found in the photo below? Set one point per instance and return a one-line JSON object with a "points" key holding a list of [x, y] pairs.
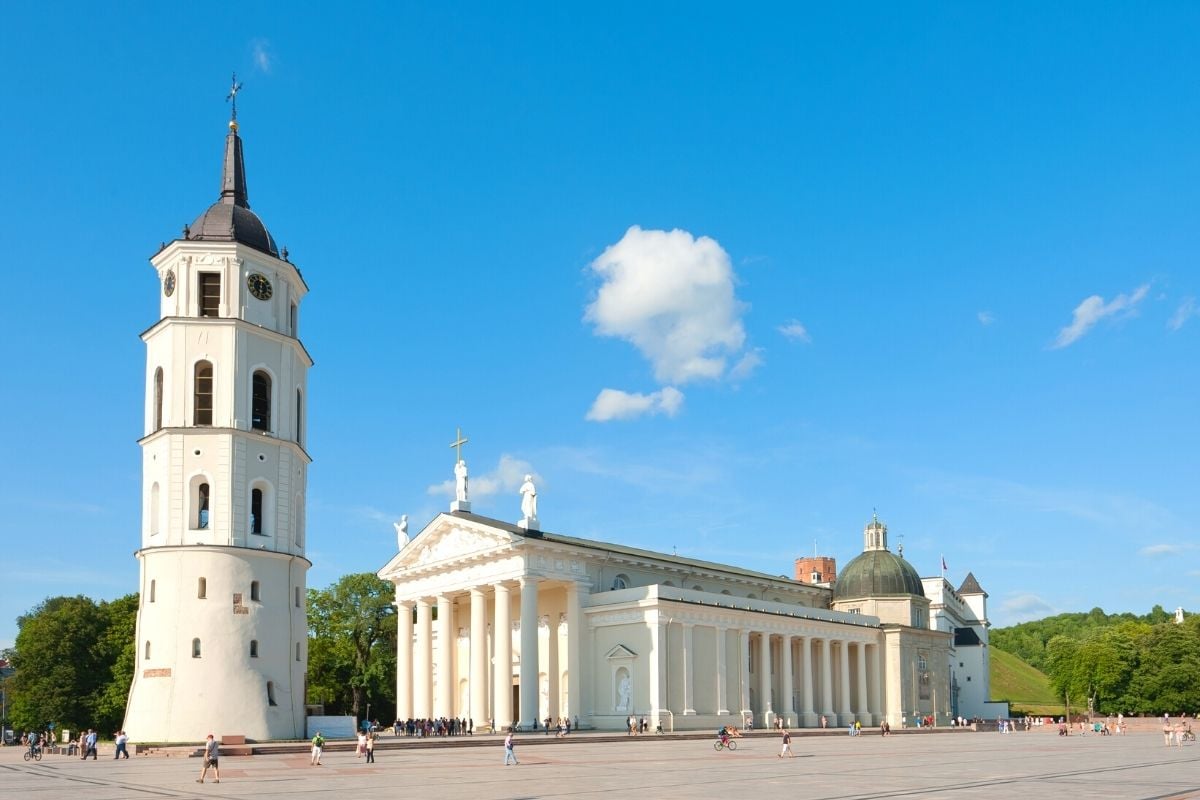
{"points": [[231, 98]]}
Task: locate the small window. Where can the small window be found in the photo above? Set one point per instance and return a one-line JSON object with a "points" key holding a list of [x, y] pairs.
{"points": [[292, 320], [297, 651], [202, 506], [151, 591], [271, 693], [299, 416], [254, 648], [256, 511], [697, 588], [202, 411], [260, 404], [210, 294], [195, 648], [297, 596], [254, 590], [620, 582], [922, 664], [146, 656], [158, 398], [201, 588]]}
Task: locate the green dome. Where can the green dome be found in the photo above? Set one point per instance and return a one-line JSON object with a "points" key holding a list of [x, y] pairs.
{"points": [[876, 573]]}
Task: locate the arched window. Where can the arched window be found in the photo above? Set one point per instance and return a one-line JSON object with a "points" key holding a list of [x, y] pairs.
{"points": [[254, 590], [202, 405], [154, 509], [256, 511], [271, 693], [620, 582], [254, 648], [299, 417], [698, 588], [146, 655], [260, 401], [201, 506], [195, 648], [158, 398], [202, 588]]}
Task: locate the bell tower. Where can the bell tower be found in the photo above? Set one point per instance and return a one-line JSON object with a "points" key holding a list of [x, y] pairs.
{"points": [[221, 626]]}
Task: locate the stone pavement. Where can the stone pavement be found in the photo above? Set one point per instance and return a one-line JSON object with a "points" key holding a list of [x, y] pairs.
{"points": [[1026, 766]]}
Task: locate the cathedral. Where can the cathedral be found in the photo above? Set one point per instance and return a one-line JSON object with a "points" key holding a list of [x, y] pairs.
{"points": [[507, 625], [500, 623]]}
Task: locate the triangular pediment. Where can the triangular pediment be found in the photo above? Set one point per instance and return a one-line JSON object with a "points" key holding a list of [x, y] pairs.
{"points": [[447, 538], [620, 651]]}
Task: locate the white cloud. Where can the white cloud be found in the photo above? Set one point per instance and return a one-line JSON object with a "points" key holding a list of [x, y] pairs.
{"points": [[1025, 606], [672, 296], [744, 368], [1165, 549], [263, 59], [985, 318], [613, 404], [795, 330], [506, 478], [1094, 309], [1187, 309]]}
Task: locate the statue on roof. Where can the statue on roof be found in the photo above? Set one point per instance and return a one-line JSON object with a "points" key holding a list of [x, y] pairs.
{"points": [[401, 531]]}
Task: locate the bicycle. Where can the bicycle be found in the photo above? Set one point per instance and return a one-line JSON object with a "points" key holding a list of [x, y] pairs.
{"points": [[34, 754], [719, 745]]}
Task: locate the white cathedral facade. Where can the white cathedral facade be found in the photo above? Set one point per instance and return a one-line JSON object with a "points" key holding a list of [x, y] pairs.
{"points": [[507, 625], [221, 627]]}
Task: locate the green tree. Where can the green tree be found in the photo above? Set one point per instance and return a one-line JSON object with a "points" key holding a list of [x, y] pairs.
{"points": [[352, 645], [70, 653]]}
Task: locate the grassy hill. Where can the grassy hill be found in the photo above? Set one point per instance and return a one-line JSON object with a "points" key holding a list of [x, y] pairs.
{"points": [[1024, 687]]}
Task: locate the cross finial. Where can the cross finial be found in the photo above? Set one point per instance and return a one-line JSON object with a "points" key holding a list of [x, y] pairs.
{"points": [[231, 98], [457, 444]]}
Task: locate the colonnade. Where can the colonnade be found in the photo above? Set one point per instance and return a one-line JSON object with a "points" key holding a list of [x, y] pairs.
{"points": [[798, 677], [488, 668]]}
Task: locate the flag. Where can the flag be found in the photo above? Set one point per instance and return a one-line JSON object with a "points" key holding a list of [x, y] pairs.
{"points": [[944, 567]]}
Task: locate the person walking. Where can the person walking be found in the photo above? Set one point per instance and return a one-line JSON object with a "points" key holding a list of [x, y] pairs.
{"points": [[370, 749], [212, 752], [787, 745], [90, 745], [508, 749], [318, 744], [121, 742]]}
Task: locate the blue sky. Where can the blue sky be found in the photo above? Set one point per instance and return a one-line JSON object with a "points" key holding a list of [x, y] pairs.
{"points": [[724, 281]]}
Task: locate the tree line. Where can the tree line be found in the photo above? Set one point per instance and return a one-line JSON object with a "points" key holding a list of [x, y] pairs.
{"points": [[74, 657], [1121, 663]]}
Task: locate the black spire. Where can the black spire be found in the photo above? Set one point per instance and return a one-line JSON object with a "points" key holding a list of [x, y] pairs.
{"points": [[233, 173]]}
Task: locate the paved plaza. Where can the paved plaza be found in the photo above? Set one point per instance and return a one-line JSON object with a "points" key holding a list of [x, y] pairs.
{"points": [[1025, 766]]}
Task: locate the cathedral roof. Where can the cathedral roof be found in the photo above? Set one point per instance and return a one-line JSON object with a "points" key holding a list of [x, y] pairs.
{"points": [[230, 218], [970, 585], [877, 573]]}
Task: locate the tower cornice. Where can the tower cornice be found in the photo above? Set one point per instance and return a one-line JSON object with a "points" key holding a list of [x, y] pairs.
{"points": [[243, 325], [214, 430]]}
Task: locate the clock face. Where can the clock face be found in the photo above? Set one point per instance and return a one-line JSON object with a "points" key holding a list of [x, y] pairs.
{"points": [[169, 283], [259, 286]]}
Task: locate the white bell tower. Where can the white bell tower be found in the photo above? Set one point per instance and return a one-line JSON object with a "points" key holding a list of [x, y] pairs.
{"points": [[221, 627]]}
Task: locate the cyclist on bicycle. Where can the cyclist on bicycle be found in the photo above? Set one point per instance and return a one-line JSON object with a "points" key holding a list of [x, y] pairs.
{"points": [[723, 735], [34, 740]]}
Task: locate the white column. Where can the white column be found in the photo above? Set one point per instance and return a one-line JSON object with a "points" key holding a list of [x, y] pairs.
{"points": [[574, 644], [873, 679], [528, 693], [864, 713], [502, 709], [689, 670], [423, 662], [479, 656], [722, 672], [827, 683], [744, 672], [444, 705], [404, 661], [845, 715], [656, 669], [786, 700], [552, 668], [764, 678], [810, 716]]}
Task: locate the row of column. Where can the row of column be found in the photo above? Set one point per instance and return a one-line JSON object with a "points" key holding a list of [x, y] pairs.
{"points": [[415, 657], [866, 706]]}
